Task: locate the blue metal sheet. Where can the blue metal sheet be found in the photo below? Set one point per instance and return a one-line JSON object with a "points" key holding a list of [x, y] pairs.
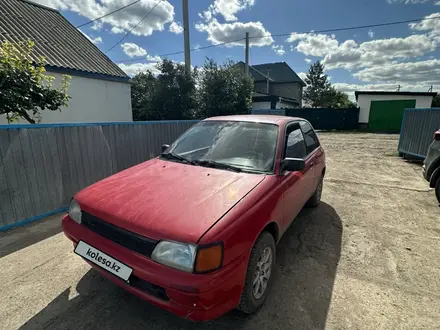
{"points": [[418, 128]]}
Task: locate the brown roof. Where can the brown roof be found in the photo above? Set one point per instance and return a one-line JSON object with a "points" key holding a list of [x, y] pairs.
{"points": [[62, 45]]}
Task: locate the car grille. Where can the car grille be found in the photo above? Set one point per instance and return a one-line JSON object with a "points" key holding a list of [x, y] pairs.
{"points": [[119, 235]]}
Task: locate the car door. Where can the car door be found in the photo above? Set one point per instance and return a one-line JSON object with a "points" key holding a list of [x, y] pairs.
{"points": [[315, 155], [296, 185]]}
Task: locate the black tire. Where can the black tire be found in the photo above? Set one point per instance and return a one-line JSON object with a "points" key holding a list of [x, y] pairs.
{"points": [[316, 197], [248, 303], [437, 189]]}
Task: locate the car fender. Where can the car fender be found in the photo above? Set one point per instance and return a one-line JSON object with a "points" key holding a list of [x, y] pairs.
{"points": [[434, 177]]}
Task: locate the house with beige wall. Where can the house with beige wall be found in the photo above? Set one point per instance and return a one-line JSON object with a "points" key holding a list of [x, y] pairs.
{"points": [[99, 90]]}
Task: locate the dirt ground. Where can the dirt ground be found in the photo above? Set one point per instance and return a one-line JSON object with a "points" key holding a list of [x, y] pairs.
{"points": [[367, 258]]}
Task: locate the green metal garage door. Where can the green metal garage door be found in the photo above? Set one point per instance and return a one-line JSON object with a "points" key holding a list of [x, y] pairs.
{"points": [[387, 115]]}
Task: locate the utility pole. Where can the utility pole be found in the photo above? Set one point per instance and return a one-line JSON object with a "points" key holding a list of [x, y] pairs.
{"points": [[267, 80], [186, 34], [246, 63]]}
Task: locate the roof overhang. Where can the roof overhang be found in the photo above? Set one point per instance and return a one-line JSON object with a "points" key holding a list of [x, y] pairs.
{"points": [[357, 93]]}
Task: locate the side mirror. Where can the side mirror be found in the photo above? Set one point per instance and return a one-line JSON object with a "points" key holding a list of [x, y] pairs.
{"points": [[164, 147], [293, 164]]}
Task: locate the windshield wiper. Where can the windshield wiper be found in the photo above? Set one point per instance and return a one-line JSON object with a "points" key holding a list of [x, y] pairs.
{"points": [[214, 164], [170, 155]]}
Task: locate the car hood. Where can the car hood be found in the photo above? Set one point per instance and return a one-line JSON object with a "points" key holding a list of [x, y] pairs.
{"points": [[167, 200]]}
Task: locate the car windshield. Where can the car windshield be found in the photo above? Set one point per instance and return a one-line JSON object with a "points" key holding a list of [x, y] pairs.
{"points": [[243, 146]]}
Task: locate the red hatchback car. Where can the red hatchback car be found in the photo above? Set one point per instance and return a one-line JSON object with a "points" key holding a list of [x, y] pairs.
{"points": [[194, 230]]}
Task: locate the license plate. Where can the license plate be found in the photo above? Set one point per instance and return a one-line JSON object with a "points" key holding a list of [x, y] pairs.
{"points": [[103, 260]]}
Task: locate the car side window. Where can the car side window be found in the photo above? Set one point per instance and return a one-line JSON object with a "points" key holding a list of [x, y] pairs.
{"points": [[309, 136], [295, 146]]}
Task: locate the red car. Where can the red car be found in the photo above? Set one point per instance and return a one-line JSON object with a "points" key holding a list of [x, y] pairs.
{"points": [[194, 231]]}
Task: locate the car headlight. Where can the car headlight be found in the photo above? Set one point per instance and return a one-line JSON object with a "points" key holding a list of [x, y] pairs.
{"points": [[74, 211], [188, 257], [176, 255]]}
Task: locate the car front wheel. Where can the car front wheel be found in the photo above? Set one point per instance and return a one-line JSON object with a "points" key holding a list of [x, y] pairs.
{"points": [[258, 275]]}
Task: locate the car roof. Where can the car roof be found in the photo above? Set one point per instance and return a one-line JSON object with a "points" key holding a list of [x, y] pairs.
{"points": [[268, 119]]}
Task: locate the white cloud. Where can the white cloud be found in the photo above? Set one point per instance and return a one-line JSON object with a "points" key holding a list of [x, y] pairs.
{"points": [[303, 76], [227, 8], [124, 19], [135, 68], [132, 50], [153, 58], [116, 30], [438, 3], [350, 55], [427, 72], [314, 44], [206, 15], [308, 60], [431, 24], [176, 27], [407, 1], [371, 34], [96, 40], [278, 49], [351, 88], [218, 33]]}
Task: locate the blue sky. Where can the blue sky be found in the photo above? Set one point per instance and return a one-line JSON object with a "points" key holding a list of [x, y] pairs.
{"points": [[380, 58]]}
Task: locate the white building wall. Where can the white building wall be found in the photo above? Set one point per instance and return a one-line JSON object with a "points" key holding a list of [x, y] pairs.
{"points": [[92, 100], [364, 103], [281, 105], [260, 105]]}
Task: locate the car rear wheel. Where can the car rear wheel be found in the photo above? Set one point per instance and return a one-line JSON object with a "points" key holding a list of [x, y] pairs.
{"points": [[259, 274], [316, 197], [437, 189]]}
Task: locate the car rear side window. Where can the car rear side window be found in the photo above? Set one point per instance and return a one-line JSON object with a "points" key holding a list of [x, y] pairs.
{"points": [[295, 147], [309, 136]]}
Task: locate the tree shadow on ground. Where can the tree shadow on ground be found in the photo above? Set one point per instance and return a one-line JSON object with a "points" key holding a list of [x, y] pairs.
{"points": [[307, 259]]}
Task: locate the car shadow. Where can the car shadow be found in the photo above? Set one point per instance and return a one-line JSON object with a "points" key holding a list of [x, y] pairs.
{"points": [[307, 259], [21, 237]]}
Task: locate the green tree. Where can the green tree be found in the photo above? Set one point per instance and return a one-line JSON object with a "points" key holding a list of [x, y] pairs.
{"points": [[338, 99], [436, 101], [318, 91], [223, 90], [142, 91], [174, 92], [25, 90]]}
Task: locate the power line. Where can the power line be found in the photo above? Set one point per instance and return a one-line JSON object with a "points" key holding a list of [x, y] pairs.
{"points": [[350, 28], [182, 51], [108, 14], [134, 27], [288, 34]]}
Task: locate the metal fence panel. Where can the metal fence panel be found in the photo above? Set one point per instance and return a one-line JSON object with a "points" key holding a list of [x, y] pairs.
{"points": [[42, 166], [328, 118], [418, 128]]}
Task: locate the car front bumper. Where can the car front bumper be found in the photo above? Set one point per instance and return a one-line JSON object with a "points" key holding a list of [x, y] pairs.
{"points": [[198, 297]]}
